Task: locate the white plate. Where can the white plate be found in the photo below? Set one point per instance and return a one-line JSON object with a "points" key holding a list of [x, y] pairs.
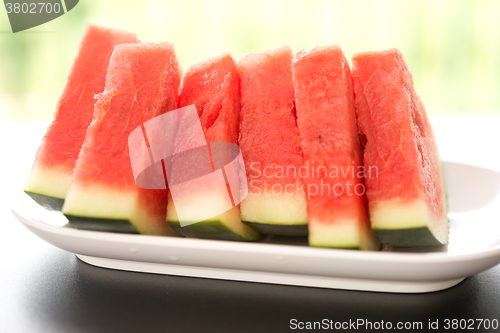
{"points": [[474, 247]]}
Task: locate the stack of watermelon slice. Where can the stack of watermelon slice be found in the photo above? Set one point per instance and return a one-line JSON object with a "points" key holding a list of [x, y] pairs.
{"points": [[346, 158]]}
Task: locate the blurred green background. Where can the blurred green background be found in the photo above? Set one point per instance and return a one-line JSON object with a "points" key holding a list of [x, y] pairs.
{"points": [[451, 46]]}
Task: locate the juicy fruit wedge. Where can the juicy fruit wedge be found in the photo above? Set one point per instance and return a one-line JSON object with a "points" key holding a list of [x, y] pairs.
{"points": [[269, 141], [336, 201], [52, 171], [103, 194], [213, 87], [405, 190]]}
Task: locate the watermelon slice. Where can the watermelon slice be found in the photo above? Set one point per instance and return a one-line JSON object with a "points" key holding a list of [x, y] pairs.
{"points": [[334, 184], [142, 83], [269, 141], [213, 87], [404, 182], [51, 174]]}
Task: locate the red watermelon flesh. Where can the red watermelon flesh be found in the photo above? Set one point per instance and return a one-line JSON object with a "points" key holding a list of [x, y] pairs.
{"points": [[270, 142], [405, 188], [326, 118], [213, 87], [57, 155], [142, 82]]}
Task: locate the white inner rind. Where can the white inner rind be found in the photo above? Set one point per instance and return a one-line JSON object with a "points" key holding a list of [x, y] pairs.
{"points": [[52, 182], [345, 234], [101, 202], [342, 234], [201, 205], [230, 219], [397, 214], [274, 209]]}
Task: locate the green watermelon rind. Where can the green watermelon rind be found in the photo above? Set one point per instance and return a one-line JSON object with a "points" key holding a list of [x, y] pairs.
{"points": [[47, 202], [102, 224], [280, 229], [212, 229], [48, 186], [410, 237]]}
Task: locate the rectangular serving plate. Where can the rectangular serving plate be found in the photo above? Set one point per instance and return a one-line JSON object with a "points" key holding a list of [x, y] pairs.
{"points": [[474, 247]]}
